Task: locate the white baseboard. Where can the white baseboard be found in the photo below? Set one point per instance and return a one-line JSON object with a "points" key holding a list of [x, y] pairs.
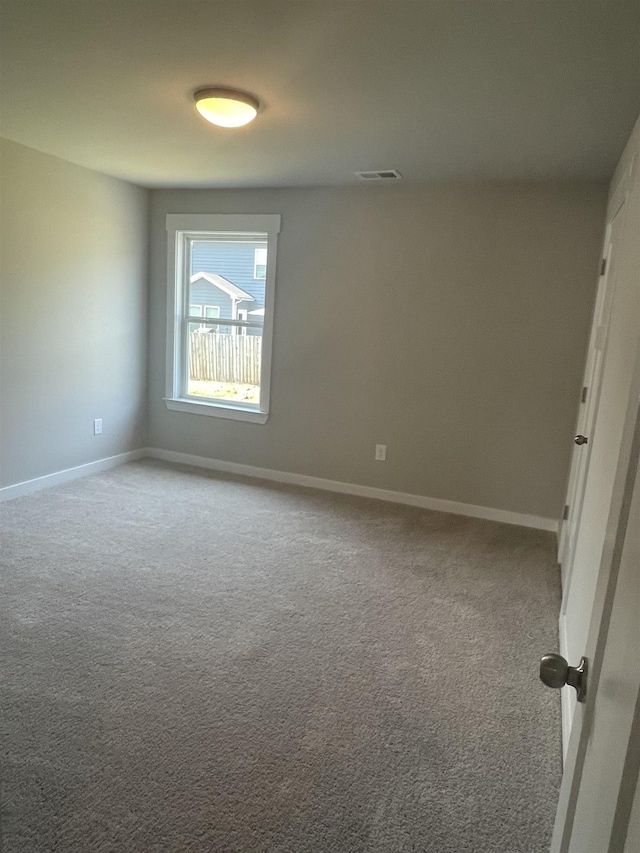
{"points": [[28, 486], [437, 504]]}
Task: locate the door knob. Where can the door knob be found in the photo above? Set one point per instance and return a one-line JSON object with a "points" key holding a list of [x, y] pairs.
{"points": [[556, 672], [581, 439]]}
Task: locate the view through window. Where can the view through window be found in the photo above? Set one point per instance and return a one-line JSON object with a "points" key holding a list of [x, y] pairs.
{"points": [[225, 310]]}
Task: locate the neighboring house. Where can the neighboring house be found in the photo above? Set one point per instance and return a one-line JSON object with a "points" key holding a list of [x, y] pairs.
{"points": [[213, 296], [228, 281]]}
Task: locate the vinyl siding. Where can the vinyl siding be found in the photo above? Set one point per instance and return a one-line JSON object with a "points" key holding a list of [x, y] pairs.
{"points": [[204, 293], [234, 261]]}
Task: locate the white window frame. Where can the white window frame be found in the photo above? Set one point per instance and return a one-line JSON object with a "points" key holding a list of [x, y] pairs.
{"points": [[255, 263], [181, 228]]}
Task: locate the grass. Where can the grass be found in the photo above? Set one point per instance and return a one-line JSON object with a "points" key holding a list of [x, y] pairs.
{"points": [[231, 391]]}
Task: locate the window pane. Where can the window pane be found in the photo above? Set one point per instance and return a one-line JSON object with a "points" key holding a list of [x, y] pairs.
{"points": [[224, 363], [225, 360], [222, 274], [260, 263]]}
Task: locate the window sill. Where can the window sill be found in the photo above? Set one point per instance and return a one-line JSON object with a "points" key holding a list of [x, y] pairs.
{"points": [[215, 410]]}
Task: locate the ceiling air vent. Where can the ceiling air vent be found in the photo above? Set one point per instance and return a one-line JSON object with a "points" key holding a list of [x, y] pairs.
{"points": [[382, 175]]}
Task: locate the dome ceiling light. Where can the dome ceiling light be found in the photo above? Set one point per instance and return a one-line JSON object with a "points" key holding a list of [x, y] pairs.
{"points": [[226, 107]]}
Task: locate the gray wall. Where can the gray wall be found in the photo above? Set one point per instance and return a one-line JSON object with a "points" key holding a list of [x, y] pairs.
{"points": [[73, 314], [449, 323]]}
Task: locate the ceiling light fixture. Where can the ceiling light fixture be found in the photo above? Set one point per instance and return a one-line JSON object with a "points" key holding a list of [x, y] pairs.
{"points": [[226, 107]]}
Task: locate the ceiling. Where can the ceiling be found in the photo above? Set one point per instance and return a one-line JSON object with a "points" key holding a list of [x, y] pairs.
{"points": [[455, 90]]}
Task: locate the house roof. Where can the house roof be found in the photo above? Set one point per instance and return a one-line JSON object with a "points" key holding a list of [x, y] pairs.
{"points": [[224, 284]]}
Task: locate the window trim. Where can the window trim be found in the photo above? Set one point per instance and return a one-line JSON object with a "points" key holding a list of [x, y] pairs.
{"points": [[182, 227]]}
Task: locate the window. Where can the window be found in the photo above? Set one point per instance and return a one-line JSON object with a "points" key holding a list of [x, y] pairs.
{"points": [[260, 263], [209, 311], [220, 314]]}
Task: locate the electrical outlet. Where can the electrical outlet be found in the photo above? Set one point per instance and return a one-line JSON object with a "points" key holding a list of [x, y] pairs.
{"points": [[381, 452], [97, 426]]}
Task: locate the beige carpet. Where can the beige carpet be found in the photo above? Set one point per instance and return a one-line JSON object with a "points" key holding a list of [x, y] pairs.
{"points": [[198, 663]]}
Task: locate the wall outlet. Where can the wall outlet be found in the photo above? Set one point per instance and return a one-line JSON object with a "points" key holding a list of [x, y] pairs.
{"points": [[381, 452], [97, 426]]}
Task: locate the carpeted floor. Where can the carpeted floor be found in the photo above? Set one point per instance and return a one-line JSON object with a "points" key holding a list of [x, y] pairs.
{"points": [[204, 663]]}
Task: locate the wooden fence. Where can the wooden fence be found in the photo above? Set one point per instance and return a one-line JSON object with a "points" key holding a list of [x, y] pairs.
{"points": [[215, 357]]}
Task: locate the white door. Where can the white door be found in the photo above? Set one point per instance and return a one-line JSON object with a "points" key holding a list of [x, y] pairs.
{"points": [[633, 829], [597, 812], [596, 808], [590, 395], [594, 475]]}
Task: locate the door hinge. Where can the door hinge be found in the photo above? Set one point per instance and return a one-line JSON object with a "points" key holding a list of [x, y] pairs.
{"points": [[603, 266], [583, 399], [565, 514]]}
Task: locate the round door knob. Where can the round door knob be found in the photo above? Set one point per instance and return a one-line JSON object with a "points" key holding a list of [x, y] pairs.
{"points": [[554, 670], [581, 439]]}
